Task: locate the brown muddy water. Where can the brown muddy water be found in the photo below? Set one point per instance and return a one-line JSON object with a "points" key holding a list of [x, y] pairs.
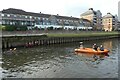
{"points": [[60, 61]]}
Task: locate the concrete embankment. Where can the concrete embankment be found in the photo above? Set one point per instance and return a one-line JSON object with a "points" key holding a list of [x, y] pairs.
{"points": [[12, 41]]}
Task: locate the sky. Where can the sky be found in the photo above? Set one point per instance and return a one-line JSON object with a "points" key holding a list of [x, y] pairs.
{"points": [[62, 7]]}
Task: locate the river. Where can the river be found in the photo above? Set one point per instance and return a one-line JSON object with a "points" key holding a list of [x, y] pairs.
{"points": [[60, 61]]}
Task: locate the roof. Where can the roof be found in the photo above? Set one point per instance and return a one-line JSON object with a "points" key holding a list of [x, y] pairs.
{"points": [[90, 11], [85, 20], [66, 17], [22, 12], [109, 15]]}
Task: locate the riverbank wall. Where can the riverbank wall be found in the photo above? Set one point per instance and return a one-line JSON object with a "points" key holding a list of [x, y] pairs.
{"points": [[13, 41]]}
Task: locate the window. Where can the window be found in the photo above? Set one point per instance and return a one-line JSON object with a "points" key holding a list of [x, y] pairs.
{"points": [[2, 15], [11, 23], [39, 18], [35, 18], [46, 18], [26, 16], [58, 20], [19, 15], [30, 17], [22, 23], [15, 15], [8, 15], [3, 22]]}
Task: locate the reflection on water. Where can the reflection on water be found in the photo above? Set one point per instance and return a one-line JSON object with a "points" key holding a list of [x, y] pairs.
{"points": [[60, 61], [0, 67], [0, 59], [107, 44]]}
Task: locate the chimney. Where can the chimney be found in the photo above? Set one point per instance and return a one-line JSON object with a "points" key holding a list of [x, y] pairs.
{"points": [[108, 13], [90, 8]]}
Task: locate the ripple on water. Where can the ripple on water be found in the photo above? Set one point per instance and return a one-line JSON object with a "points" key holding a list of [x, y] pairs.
{"points": [[61, 62]]}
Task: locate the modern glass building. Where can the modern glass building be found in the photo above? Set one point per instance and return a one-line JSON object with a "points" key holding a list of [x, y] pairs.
{"points": [[119, 10]]}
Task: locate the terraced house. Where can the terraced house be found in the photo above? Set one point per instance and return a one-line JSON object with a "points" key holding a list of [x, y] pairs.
{"points": [[16, 17]]}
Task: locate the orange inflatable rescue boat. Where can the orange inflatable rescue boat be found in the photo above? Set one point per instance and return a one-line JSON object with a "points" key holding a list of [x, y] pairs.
{"points": [[90, 50]]}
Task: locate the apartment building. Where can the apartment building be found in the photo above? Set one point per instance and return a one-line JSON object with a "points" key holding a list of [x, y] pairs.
{"points": [[95, 17], [109, 22]]}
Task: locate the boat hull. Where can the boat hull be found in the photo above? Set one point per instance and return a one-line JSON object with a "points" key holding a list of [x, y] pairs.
{"points": [[92, 51]]}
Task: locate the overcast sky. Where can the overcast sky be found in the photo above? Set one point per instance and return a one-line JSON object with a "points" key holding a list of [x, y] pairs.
{"points": [[62, 7]]}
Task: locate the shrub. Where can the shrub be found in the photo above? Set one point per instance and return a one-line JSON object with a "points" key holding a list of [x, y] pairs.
{"points": [[2, 27], [21, 28], [14, 28], [50, 28], [9, 28]]}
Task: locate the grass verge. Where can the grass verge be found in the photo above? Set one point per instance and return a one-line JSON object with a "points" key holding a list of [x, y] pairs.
{"points": [[87, 34]]}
